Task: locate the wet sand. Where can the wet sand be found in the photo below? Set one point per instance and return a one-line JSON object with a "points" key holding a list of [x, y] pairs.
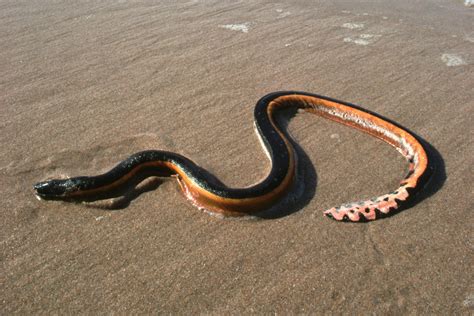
{"points": [[84, 85]]}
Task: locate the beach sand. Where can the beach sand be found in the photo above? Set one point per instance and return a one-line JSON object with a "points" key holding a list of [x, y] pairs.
{"points": [[85, 84]]}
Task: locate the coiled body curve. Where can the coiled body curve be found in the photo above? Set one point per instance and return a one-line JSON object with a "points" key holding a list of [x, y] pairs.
{"points": [[203, 191]]}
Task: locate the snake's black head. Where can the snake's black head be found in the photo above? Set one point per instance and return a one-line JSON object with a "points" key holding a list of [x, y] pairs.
{"points": [[52, 189]]}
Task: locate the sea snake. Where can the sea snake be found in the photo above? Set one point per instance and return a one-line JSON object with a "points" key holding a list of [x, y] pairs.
{"points": [[207, 193]]}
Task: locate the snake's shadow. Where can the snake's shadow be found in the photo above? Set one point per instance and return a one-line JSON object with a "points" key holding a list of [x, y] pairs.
{"points": [[120, 197], [147, 180], [301, 194]]}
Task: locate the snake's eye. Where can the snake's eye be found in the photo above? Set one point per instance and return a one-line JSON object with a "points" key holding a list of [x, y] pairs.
{"points": [[51, 188]]}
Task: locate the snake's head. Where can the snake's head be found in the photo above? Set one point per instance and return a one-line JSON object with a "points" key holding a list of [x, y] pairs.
{"points": [[52, 189]]}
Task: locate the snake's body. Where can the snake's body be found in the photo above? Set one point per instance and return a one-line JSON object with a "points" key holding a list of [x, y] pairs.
{"points": [[213, 196]]}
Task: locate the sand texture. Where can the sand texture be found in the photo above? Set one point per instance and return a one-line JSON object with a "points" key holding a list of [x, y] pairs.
{"points": [[84, 84]]}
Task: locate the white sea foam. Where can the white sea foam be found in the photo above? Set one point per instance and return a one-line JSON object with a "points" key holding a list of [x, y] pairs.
{"points": [[452, 60], [244, 28], [353, 26], [362, 39]]}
